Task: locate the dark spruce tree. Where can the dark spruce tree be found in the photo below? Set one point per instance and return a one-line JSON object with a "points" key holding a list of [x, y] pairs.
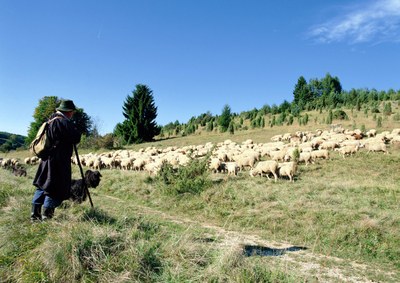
{"points": [[300, 92], [225, 118], [140, 113]]}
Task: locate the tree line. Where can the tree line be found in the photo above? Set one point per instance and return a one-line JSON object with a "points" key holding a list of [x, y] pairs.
{"points": [[324, 94], [140, 113]]}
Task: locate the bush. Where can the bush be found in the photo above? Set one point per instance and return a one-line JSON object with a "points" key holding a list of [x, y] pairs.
{"points": [[106, 141], [387, 110], [97, 142], [379, 122], [192, 178], [396, 117], [340, 115], [375, 109]]}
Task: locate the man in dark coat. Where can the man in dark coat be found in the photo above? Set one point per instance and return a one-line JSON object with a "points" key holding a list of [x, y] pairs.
{"points": [[53, 177]]}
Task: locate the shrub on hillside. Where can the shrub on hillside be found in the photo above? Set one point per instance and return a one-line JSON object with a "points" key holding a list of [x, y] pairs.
{"points": [[340, 115], [192, 178], [396, 117], [97, 142]]}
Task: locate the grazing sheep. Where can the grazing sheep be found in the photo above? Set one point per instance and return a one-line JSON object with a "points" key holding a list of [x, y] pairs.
{"points": [[152, 168], [276, 138], [287, 169], [14, 161], [265, 167], [396, 131], [316, 142], [27, 161], [248, 142], [139, 164], [376, 147], [371, 133], [183, 160], [232, 168], [321, 153], [6, 162], [126, 163], [97, 164], [348, 150], [245, 161], [34, 160], [108, 162], [395, 140], [305, 157], [278, 155], [215, 165], [222, 155], [295, 140], [328, 145]]}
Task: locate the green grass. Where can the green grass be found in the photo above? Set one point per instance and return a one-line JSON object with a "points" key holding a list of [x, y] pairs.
{"points": [[345, 212]]}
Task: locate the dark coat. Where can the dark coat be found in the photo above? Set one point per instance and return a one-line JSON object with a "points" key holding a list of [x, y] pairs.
{"points": [[54, 173]]}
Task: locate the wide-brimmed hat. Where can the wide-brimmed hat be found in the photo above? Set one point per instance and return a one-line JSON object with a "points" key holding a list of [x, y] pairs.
{"points": [[66, 106]]}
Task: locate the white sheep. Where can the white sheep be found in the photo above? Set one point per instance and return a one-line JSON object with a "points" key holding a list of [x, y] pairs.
{"points": [[138, 164], [152, 168], [371, 133], [126, 163], [276, 138], [305, 157], [108, 162], [328, 145], [215, 165], [288, 169], [396, 131], [278, 155], [316, 142], [245, 161], [97, 164], [348, 150], [232, 168], [321, 153], [376, 147], [265, 167], [395, 140], [27, 161], [34, 160]]}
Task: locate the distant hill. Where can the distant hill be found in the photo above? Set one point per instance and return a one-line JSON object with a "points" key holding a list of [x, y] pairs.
{"points": [[10, 141]]}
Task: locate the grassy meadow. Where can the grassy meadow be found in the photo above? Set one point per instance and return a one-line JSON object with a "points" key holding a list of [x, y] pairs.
{"points": [[338, 222]]}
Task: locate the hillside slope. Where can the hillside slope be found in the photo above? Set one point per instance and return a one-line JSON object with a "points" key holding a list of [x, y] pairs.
{"points": [[338, 222]]}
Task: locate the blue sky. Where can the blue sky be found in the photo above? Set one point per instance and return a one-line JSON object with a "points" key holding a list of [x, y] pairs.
{"points": [[195, 55]]}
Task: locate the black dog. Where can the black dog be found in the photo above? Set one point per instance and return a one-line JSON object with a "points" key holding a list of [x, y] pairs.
{"points": [[78, 192]]}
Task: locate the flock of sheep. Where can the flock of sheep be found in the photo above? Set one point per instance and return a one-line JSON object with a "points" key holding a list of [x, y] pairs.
{"points": [[275, 158], [278, 158]]}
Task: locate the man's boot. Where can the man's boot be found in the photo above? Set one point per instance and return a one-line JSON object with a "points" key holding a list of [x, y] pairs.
{"points": [[48, 213], [36, 213]]}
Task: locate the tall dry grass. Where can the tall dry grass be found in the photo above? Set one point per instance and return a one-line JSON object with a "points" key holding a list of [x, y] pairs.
{"points": [[344, 212]]}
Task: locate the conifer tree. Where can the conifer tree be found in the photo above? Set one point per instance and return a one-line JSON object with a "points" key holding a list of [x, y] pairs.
{"points": [[225, 118], [140, 113]]}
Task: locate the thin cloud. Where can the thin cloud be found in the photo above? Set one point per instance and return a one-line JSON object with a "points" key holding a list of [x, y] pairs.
{"points": [[374, 22]]}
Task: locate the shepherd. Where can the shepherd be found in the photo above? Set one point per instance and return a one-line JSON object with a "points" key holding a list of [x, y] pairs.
{"points": [[53, 177]]}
